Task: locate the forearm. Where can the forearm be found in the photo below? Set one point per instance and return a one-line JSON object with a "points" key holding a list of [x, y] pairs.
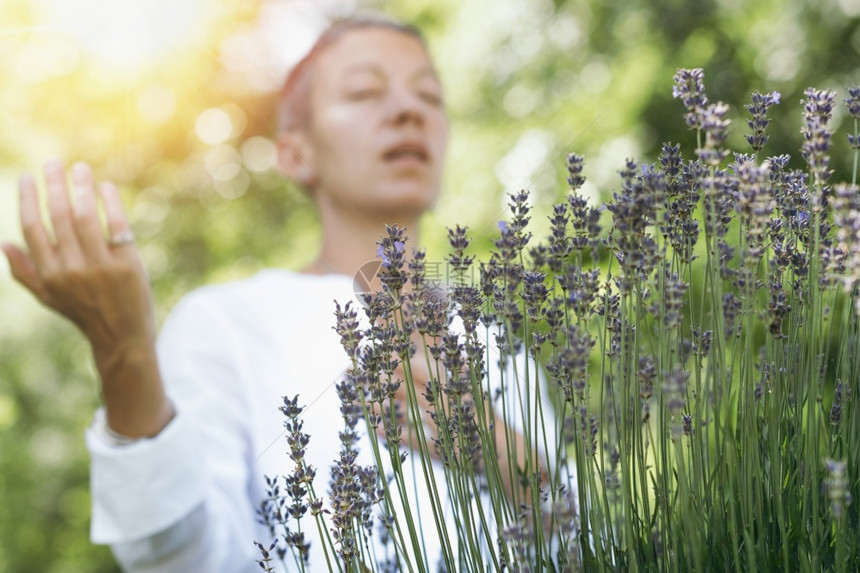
{"points": [[135, 401]]}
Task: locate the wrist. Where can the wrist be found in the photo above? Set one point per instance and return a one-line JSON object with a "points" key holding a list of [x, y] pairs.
{"points": [[129, 420], [111, 352], [134, 396], [107, 434]]}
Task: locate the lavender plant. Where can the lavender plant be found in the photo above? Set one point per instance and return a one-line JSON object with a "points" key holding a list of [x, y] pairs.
{"points": [[664, 383]]}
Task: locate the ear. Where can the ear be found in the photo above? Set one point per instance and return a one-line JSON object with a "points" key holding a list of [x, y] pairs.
{"points": [[295, 158]]}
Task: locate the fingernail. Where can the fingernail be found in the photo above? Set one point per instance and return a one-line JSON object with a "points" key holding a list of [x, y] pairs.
{"points": [[25, 181], [80, 172], [53, 166]]}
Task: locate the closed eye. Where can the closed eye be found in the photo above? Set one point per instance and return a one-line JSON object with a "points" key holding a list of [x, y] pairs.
{"points": [[431, 97], [364, 94]]}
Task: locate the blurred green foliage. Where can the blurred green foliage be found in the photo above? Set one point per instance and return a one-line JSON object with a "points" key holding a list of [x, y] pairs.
{"points": [[527, 82]]}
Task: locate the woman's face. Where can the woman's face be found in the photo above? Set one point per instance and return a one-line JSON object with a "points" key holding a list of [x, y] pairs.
{"points": [[377, 128]]}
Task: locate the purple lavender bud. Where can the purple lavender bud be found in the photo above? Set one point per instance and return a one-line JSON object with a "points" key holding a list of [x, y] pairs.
{"points": [[673, 300], [690, 88], [391, 250], [759, 121], [574, 170], [687, 424], [513, 239], [840, 396], [559, 243], [716, 129], [418, 271], [755, 204], [818, 108], [853, 102], [347, 327], [458, 238], [670, 160], [459, 261], [534, 293]]}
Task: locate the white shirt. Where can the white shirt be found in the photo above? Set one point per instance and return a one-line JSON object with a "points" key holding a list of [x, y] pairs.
{"points": [[185, 500]]}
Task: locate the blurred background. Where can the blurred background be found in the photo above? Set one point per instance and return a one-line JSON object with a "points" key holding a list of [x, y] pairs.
{"points": [[174, 99]]}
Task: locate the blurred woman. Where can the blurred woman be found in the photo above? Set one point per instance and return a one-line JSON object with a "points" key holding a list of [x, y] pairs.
{"points": [[190, 424]]}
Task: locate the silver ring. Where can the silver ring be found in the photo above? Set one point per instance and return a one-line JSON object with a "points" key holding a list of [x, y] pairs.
{"points": [[122, 239]]}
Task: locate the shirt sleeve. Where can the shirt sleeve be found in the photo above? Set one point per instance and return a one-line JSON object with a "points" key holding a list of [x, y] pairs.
{"points": [[181, 501]]}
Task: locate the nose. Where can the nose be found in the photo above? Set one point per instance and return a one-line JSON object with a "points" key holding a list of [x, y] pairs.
{"points": [[405, 107]]}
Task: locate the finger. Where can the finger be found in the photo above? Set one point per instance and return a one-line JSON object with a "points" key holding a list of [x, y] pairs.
{"points": [[87, 226], [24, 271], [60, 209], [32, 227], [116, 219]]}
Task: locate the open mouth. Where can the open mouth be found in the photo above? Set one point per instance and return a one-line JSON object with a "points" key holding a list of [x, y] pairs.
{"points": [[406, 152]]}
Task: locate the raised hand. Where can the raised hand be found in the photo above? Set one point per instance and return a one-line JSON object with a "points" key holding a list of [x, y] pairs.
{"points": [[100, 285]]}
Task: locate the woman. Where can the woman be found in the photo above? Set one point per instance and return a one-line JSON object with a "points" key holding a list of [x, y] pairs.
{"points": [[190, 425]]}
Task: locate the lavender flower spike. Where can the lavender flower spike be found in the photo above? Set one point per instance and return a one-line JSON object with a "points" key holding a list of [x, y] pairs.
{"points": [[818, 108], [759, 122], [690, 88], [853, 103], [574, 171], [716, 128]]}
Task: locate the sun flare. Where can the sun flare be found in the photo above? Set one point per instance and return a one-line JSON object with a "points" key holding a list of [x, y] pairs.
{"points": [[129, 34]]}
